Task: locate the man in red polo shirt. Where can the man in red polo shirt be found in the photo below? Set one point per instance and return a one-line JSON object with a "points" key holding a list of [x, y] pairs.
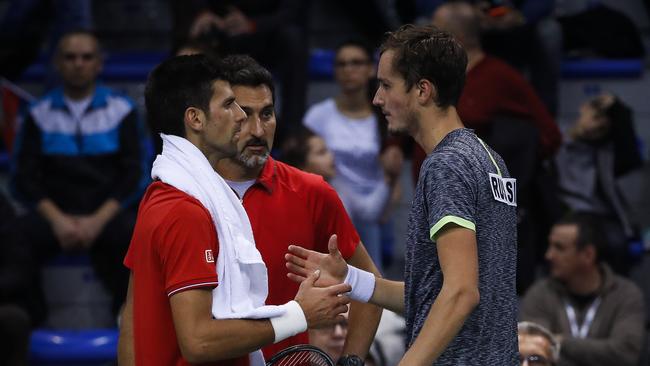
{"points": [[287, 206], [168, 317]]}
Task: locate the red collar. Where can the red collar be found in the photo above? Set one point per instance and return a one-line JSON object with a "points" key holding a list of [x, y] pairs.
{"points": [[267, 177]]}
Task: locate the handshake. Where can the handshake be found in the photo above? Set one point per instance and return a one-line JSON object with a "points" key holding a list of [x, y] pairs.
{"points": [[327, 284]]}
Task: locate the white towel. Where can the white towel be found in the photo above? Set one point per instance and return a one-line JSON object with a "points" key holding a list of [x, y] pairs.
{"points": [[243, 280]]}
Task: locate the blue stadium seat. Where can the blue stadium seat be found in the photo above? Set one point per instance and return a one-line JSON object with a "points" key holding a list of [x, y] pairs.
{"points": [[321, 64], [602, 68], [73, 347], [4, 161]]}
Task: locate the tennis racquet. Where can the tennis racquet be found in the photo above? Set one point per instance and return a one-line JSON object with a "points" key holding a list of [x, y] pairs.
{"points": [[300, 355]]}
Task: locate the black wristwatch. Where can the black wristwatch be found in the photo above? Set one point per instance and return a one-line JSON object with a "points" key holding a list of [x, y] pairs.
{"points": [[350, 360]]}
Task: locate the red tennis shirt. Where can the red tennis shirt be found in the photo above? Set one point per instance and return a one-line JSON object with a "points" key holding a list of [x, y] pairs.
{"points": [[174, 248]]}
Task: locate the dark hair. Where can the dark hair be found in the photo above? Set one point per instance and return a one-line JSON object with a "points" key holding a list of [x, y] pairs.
{"points": [[425, 52], [295, 148], [244, 70], [590, 232], [177, 84], [197, 44], [359, 43]]}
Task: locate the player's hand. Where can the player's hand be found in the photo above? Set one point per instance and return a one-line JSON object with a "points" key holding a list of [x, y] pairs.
{"points": [[302, 262], [323, 307], [66, 230]]}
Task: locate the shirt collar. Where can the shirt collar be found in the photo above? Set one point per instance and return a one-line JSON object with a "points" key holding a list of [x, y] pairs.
{"points": [[268, 175], [100, 98]]}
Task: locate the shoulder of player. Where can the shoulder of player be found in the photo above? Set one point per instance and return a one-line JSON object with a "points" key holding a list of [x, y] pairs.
{"points": [[300, 181], [453, 157], [176, 204]]}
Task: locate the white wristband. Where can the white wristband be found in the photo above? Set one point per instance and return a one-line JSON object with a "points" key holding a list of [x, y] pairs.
{"points": [[290, 323], [362, 282]]}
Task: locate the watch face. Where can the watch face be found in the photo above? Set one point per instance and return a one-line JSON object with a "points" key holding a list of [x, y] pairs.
{"points": [[350, 360]]}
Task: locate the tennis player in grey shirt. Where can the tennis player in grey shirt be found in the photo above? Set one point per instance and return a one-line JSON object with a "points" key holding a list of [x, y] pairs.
{"points": [[458, 296]]}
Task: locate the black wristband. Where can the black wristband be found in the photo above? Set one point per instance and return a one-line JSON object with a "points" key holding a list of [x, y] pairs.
{"points": [[350, 360]]}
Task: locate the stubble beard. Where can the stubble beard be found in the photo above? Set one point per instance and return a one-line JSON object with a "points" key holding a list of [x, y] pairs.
{"points": [[408, 126], [252, 161]]}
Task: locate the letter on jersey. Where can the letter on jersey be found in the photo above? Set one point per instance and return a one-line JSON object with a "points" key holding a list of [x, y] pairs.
{"points": [[504, 189]]}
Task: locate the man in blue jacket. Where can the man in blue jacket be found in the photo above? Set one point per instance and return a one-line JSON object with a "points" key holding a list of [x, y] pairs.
{"points": [[79, 165]]}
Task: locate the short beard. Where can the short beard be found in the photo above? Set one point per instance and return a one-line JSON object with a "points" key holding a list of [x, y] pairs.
{"points": [[252, 161], [408, 127], [412, 121]]}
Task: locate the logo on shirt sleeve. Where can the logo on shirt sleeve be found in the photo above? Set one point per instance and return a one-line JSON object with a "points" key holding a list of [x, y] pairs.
{"points": [[208, 256], [504, 189]]}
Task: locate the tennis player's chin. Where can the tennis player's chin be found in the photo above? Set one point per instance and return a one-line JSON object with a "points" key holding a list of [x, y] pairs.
{"points": [[394, 126]]}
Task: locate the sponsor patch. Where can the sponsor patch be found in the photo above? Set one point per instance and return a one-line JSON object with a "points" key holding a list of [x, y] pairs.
{"points": [[504, 189], [208, 256]]}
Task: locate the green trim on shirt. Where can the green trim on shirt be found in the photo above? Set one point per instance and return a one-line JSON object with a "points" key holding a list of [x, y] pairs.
{"points": [[450, 220], [491, 158]]}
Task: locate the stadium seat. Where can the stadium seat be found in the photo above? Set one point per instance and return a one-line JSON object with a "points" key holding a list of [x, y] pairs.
{"points": [[73, 347]]}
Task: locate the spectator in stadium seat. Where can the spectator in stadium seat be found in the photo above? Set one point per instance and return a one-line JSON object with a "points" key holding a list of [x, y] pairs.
{"points": [[80, 167], [601, 147], [597, 315]]}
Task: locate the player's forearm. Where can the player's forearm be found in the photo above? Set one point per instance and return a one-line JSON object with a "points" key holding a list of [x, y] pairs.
{"points": [[125, 353], [363, 320], [446, 317], [226, 339], [389, 295]]}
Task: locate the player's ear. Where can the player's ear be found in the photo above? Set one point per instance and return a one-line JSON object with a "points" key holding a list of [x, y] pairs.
{"points": [[194, 119], [426, 91]]}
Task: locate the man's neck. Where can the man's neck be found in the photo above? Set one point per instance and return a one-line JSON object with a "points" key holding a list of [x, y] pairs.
{"points": [[78, 93], [586, 283], [435, 125], [353, 103], [232, 170], [474, 56]]}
